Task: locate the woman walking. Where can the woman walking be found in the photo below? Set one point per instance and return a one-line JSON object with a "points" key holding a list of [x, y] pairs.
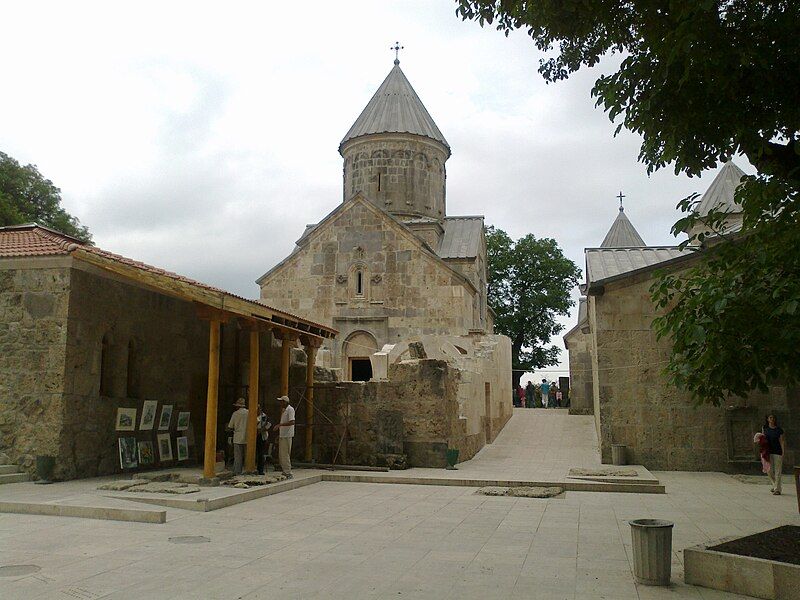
{"points": [[775, 439]]}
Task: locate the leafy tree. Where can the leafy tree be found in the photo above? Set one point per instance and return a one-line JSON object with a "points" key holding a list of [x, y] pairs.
{"points": [[529, 285], [26, 197], [701, 81]]}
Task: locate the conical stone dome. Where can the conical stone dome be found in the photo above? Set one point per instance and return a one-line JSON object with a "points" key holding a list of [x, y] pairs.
{"points": [[394, 153], [622, 234], [395, 108]]}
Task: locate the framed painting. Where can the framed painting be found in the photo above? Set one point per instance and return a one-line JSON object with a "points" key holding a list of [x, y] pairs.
{"points": [[166, 417], [183, 448], [126, 419], [148, 414], [147, 455], [183, 421], [127, 453], [164, 447]]}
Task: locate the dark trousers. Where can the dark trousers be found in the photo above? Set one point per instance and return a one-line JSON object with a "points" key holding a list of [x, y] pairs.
{"points": [[260, 454]]}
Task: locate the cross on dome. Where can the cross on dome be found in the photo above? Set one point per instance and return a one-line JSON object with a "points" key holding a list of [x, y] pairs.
{"points": [[397, 47], [621, 196]]}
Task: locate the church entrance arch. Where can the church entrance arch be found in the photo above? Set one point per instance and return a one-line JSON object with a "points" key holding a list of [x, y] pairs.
{"points": [[358, 347]]}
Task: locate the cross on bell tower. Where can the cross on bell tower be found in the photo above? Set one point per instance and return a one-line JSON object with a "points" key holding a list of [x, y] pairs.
{"points": [[397, 47], [621, 196]]}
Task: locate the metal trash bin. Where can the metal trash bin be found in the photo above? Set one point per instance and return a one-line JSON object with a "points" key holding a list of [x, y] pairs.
{"points": [[618, 452], [652, 551]]}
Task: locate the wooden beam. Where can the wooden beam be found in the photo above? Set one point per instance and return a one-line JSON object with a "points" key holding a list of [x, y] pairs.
{"points": [[252, 404], [311, 355], [210, 458], [185, 289]]}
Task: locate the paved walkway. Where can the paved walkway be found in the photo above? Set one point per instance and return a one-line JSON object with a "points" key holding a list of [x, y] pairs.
{"points": [[379, 541]]}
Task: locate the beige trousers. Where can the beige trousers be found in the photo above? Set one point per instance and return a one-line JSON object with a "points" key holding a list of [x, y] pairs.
{"points": [[284, 453], [775, 471]]}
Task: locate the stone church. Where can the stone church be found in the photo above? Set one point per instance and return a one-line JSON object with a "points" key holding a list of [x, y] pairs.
{"points": [[616, 361], [388, 264]]}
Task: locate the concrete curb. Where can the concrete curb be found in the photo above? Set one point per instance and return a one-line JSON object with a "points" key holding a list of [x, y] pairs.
{"points": [[85, 512]]}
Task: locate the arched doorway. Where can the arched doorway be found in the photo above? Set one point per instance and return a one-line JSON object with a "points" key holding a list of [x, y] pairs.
{"points": [[358, 347]]}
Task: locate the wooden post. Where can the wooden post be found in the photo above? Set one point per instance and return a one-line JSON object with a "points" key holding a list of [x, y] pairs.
{"points": [[252, 405], [311, 354], [286, 347], [210, 459]]}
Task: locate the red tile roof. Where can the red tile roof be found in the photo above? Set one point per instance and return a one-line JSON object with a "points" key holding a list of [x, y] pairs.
{"points": [[33, 240], [19, 241]]}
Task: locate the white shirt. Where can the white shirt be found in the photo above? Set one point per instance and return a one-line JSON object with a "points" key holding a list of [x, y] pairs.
{"points": [[238, 423], [286, 416]]}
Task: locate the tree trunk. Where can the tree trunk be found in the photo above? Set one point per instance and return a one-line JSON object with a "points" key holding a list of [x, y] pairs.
{"points": [[516, 375]]}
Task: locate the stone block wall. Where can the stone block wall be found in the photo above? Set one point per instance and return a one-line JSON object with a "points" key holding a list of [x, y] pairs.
{"points": [[415, 413], [402, 174], [407, 291], [579, 345], [156, 349], [636, 405], [34, 299]]}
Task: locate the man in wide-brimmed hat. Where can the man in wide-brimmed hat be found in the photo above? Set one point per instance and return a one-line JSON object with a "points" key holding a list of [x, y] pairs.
{"points": [[238, 424], [285, 429]]}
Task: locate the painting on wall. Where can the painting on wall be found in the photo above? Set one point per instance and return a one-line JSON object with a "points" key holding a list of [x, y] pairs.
{"points": [[164, 447], [126, 419], [127, 453], [147, 455], [183, 421], [183, 448], [148, 414], [166, 417]]}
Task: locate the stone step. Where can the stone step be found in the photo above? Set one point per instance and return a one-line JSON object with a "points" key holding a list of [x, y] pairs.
{"points": [[8, 469], [14, 478]]}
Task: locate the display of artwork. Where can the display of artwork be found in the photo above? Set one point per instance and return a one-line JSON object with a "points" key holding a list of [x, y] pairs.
{"points": [[183, 421], [126, 419], [147, 455], [166, 417], [164, 447], [183, 448], [127, 453], [148, 414]]}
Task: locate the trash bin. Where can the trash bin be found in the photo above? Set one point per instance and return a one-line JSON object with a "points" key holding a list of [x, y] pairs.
{"points": [[652, 551], [452, 458], [618, 454]]}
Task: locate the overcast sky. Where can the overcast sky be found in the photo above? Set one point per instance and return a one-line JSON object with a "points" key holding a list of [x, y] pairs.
{"points": [[202, 137]]}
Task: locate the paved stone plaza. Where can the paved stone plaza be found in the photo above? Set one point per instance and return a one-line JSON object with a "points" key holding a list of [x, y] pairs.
{"points": [[353, 540]]}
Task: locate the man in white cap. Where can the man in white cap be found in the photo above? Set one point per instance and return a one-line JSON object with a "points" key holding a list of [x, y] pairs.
{"points": [[285, 429], [238, 424]]}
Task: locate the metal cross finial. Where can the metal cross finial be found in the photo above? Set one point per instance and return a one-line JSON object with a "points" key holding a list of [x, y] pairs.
{"points": [[397, 47], [621, 196]]}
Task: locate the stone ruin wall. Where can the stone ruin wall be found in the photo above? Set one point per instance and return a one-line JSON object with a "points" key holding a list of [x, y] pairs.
{"points": [[34, 299], [422, 407], [636, 405], [414, 413]]}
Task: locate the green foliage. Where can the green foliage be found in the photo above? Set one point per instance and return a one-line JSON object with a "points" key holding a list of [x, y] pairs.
{"points": [[701, 81], [27, 197], [529, 285]]}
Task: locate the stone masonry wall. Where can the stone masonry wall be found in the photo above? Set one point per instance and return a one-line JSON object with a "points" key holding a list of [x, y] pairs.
{"points": [[636, 405], [407, 292], [33, 318], [169, 348], [415, 413], [403, 174], [579, 345]]}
